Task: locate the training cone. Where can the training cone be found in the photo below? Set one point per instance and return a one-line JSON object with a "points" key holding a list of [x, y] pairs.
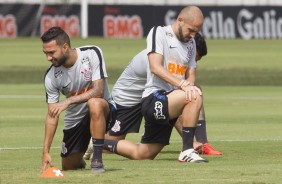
{"points": [[52, 172]]}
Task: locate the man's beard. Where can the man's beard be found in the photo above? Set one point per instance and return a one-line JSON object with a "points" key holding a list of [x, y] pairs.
{"points": [[61, 61], [181, 36]]}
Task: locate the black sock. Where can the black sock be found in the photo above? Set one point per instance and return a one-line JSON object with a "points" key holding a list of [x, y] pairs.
{"points": [[188, 137], [111, 145], [98, 148], [201, 132]]}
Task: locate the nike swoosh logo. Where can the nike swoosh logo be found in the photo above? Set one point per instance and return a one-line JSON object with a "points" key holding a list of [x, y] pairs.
{"points": [[66, 85], [172, 47], [186, 131]]}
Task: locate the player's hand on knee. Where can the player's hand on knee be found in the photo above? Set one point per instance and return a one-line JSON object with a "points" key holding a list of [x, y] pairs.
{"points": [[185, 83], [191, 92]]}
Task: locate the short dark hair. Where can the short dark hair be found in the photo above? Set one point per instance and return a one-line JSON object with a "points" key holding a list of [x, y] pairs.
{"points": [[56, 33], [201, 45]]}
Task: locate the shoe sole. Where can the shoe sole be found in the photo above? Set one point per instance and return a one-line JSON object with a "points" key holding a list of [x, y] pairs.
{"points": [[212, 153], [197, 161]]}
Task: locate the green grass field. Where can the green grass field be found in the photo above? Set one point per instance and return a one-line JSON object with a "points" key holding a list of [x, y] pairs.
{"points": [[242, 86]]}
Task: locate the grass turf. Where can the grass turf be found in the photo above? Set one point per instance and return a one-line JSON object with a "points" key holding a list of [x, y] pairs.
{"points": [[243, 122], [242, 87], [229, 62]]}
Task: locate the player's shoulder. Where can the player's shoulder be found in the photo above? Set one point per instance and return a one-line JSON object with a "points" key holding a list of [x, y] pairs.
{"points": [[49, 71], [53, 75], [159, 28], [89, 48], [54, 72], [162, 31]]}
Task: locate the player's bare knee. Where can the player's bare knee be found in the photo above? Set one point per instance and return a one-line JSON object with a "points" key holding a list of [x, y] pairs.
{"points": [[93, 102], [198, 101], [143, 154], [70, 167], [138, 156], [148, 157], [66, 167], [73, 162], [95, 105], [195, 104]]}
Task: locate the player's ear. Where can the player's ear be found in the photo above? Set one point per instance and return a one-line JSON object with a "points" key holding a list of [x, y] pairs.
{"points": [[180, 19], [65, 46]]}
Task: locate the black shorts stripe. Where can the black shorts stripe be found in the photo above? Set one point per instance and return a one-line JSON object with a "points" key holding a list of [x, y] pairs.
{"points": [[99, 56]]}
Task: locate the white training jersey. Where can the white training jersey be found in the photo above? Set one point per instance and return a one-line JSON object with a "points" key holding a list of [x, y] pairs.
{"points": [[129, 87], [89, 66], [177, 57]]}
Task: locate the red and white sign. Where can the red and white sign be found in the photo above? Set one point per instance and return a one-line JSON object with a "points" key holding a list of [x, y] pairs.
{"points": [[122, 26], [8, 26], [69, 24]]}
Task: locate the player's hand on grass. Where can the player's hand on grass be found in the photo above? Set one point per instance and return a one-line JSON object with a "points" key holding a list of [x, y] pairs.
{"points": [[46, 159]]}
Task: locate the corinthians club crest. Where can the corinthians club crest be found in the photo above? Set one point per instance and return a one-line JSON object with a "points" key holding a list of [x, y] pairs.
{"points": [[190, 50], [86, 69]]}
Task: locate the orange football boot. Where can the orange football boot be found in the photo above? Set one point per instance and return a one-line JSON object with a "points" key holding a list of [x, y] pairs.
{"points": [[209, 150]]}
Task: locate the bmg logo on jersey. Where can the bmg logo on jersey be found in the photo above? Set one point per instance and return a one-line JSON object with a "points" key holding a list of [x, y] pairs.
{"points": [[86, 69], [177, 69]]}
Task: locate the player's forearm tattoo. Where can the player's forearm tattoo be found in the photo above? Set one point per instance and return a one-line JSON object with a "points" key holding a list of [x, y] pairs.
{"points": [[96, 92]]}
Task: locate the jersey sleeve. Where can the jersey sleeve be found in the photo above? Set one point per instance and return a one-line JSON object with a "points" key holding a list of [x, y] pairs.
{"points": [[98, 65], [192, 54], [155, 40], [52, 93]]}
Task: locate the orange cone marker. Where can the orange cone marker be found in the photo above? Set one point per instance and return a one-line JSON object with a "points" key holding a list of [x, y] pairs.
{"points": [[52, 172]]}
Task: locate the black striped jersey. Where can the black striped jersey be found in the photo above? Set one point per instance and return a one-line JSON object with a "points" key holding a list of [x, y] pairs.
{"points": [[177, 57], [89, 66]]}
